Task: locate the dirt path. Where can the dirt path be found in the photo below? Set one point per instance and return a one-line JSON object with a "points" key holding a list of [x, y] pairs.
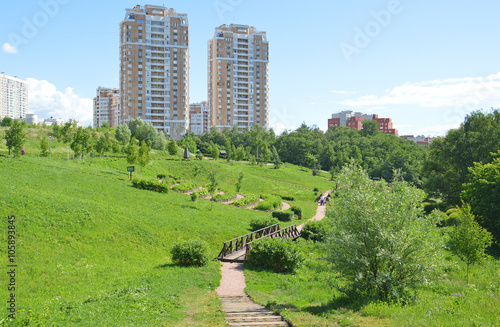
{"points": [[232, 284]]}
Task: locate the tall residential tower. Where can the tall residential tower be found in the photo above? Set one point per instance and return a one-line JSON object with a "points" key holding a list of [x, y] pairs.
{"points": [[107, 107], [238, 70], [154, 68], [13, 97]]}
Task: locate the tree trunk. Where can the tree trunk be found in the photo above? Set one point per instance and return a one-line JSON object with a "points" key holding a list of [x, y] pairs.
{"points": [[467, 274]]}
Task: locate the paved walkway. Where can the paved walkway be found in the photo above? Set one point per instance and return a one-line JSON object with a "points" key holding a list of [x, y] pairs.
{"points": [[231, 292]]}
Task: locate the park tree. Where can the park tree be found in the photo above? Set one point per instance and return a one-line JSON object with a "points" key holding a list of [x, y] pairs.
{"points": [[132, 151], [468, 240], [239, 182], [123, 134], [172, 147], [144, 155], [370, 127], [103, 144], [66, 134], [6, 122], [447, 165], [215, 151], [483, 193], [379, 238], [15, 137], [190, 143], [44, 146], [82, 142]]}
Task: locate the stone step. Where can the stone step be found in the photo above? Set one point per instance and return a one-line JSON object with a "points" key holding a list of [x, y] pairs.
{"points": [[259, 324], [250, 313], [263, 318]]}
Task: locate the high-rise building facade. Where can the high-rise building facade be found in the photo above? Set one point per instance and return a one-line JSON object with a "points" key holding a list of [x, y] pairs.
{"points": [[154, 68], [354, 120], [107, 107], [13, 97], [238, 72], [198, 117]]}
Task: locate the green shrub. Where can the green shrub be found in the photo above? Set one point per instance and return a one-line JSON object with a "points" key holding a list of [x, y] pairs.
{"points": [[316, 189], [224, 197], [150, 186], [270, 202], [259, 223], [283, 215], [249, 198], [297, 211], [202, 192], [185, 187], [314, 231], [288, 197], [264, 206], [277, 254], [194, 197], [190, 253]]}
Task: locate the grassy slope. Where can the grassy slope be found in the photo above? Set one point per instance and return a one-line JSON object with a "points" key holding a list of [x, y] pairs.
{"points": [[94, 251]]}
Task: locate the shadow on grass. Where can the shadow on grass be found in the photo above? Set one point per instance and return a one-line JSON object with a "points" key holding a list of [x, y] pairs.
{"points": [[166, 265], [185, 206], [341, 303]]}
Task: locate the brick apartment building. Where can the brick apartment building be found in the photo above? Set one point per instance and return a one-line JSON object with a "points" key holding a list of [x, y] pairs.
{"points": [[354, 120]]}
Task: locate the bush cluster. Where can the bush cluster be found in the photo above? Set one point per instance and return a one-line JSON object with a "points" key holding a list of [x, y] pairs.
{"points": [[270, 202], [185, 187], [288, 197], [297, 211], [190, 253], [314, 231], [283, 215], [259, 223], [150, 186], [202, 192], [224, 197], [249, 198], [277, 254]]}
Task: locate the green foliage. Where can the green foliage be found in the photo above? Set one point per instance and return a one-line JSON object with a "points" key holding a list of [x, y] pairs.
{"points": [[190, 143], [185, 187], [6, 122], [240, 180], [150, 186], [172, 147], [447, 165], [215, 151], [103, 144], [483, 194], [15, 137], [276, 254], [224, 197], [316, 189], [194, 196], [248, 199], [190, 253], [262, 222], [283, 215], [288, 197], [44, 146], [143, 155], [146, 132], [314, 231], [468, 240], [132, 151], [380, 240], [214, 182], [270, 202], [297, 211], [123, 134]]}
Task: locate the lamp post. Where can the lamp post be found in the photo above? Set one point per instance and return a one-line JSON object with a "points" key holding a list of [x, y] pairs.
{"points": [[50, 146]]}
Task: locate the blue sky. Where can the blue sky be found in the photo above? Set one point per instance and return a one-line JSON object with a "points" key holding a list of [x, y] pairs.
{"points": [[425, 64]]}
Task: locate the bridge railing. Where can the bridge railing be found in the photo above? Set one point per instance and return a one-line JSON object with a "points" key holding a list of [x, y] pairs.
{"points": [[287, 232], [241, 242]]}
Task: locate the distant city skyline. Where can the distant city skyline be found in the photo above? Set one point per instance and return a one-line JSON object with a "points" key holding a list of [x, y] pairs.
{"points": [[424, 64]]}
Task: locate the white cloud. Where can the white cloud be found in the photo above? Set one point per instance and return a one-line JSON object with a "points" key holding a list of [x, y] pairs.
{"points": [[342, 92], [454, 92], [46, 101], [9, 48]]}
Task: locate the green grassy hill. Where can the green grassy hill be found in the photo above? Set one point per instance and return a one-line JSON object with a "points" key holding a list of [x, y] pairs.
{"points": [[93, 251]]}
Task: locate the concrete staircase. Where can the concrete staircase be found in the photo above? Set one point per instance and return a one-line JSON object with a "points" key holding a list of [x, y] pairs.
{"points": [[241, 311]]}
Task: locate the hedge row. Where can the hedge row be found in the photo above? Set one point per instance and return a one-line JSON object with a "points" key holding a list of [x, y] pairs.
{"points": [[259, 223], [270, 202], [277, 254], [150, 186], [283, 215], [297, 211]]}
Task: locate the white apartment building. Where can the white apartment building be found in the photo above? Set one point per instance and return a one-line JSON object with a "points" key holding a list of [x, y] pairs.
{"points": [[107, 107], [238, 84], [13, 97], [198, 117], [154, 68]]}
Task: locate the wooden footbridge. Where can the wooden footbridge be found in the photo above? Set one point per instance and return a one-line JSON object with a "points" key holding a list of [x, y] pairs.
{"points": [[236, 250]]}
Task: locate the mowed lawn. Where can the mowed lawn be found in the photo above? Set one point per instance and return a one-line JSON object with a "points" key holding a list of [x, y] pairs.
{"points": [[93, 251]]}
